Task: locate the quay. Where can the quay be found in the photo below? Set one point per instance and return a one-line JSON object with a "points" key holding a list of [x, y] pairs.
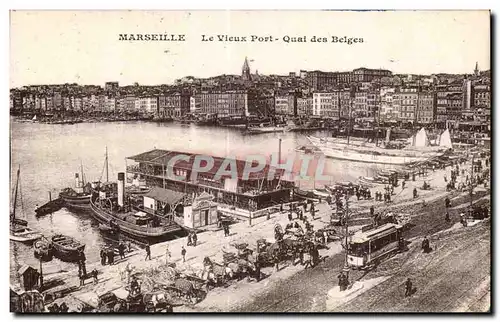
{"points": [[214, 245]]}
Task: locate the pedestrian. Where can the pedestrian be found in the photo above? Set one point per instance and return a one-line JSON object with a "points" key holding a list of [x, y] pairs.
{"points": [[82, 278], [415, 193], [189, 240], [227, 230], [183, 253], [372, 211], [357, 194], [81, 261], [167, 255], [447, 202], [121, 250], [408, 287], [313, 210], [425, 245], [148, 252], [447, 217], [403, 184], [413, 177], [129, 247], [392, 190], [300, 214], [94, 275], [445, 179], [290, 217], [102, 253], [195, 238], [111, 255]]}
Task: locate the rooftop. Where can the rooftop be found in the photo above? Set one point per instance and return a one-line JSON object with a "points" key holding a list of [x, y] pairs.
{"points": [[162, 157]]}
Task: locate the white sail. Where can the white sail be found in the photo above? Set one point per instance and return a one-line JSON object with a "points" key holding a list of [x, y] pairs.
{"points": [[445, 139], [34, 118], [421, 139]]}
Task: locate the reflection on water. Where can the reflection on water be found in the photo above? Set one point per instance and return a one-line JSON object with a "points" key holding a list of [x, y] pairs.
{"points": [[49, 156]]}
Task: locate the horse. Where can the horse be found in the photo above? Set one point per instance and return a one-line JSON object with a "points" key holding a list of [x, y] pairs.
{"points": [[157, 300]]}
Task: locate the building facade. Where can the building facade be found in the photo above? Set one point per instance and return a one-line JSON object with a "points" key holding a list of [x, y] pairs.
{"points": [[326, 105], [224, 104]]}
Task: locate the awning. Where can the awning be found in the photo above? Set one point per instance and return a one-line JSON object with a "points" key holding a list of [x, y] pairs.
{"points": [[165, 195]]}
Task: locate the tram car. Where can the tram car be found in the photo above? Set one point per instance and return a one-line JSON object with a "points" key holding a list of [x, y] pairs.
{"points": [[366, 248]]}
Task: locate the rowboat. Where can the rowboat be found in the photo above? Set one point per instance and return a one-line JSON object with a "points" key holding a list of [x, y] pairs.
{"points": [[67, 248], [24, 234]]}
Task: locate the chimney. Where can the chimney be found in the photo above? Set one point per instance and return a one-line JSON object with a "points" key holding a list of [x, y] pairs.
{"points": [[121, 188]]}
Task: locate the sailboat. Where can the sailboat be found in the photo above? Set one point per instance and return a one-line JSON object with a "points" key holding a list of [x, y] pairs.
{"points": [[418, 151], [34, 118], [19, 230], [77, 200]]}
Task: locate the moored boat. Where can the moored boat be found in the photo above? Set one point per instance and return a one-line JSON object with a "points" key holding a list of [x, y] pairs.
{"points": [[67, 248], [77, 200], [19, 230]]}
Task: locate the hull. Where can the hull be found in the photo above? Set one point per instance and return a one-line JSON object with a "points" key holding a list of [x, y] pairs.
{"points": [[398, 157], [25, 237], [76, 202], [65, 252], [135, 231]]}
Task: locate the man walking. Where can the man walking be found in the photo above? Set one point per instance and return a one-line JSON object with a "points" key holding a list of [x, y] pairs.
{"points": [[148, 252], [408, 287], [195, 238], [183, 253], [167, 255]]}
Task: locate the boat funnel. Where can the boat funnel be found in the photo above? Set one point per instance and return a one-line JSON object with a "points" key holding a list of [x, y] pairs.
{"points": [[121, 188], [77, 180]]}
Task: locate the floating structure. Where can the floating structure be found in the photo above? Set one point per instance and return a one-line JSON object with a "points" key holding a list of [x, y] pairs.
{"points": [[66, 248], [361, 151], [77, 200], [19, 230], [237, 193]]}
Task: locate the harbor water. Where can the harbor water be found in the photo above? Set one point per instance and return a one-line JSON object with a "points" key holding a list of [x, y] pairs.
{"points": [[50, 155]]}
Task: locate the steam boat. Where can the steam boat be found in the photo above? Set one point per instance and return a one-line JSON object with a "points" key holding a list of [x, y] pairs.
{"points": [[112, 208]]}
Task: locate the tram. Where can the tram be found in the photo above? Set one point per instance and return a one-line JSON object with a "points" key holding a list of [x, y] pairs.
{"points": [[368, 247]]}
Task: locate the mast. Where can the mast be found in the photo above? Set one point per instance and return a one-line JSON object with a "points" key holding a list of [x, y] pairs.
{"points": [[15, 193], [107, 170], [81, 170]]}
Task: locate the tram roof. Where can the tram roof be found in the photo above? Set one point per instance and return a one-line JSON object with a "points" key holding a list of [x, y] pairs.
{"points": [[162, 157], [386, 229]]}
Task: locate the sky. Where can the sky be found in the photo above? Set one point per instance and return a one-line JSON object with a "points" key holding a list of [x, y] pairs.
{"points": [[54, 47]]}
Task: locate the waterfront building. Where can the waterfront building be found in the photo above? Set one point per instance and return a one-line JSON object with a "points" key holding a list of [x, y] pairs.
{"points": [[235, 194], [325, 105], [366, 104], [286, 104], [50, 103], [406, 100], [426, 107], [109, 104], [304, 106], [173, 105], [229, 103], [120, 105], [76, 102], [66, 103], [194, 104], [58, 105], [130, 103]]}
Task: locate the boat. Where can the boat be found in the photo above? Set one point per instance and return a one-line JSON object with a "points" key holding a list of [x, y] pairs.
{"points": [[49, 207], [42, 249], [127, 218], [66, 248], [373, 180], [19, 230], [265, 129], [371, 153], [77, 200]]}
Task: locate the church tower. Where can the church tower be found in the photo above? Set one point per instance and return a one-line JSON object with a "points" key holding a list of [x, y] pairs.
{"points": [[245, 71], [476, 70]]}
